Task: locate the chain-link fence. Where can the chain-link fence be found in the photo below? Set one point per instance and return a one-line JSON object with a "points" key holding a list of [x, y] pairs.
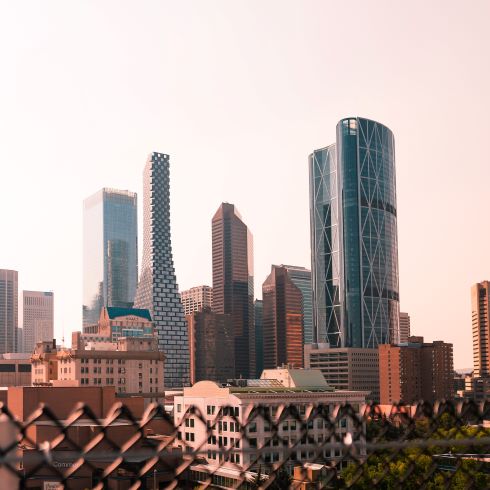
{"points": [[441, 445]]}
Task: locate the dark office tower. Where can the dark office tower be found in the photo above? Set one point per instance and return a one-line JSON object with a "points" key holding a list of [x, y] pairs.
{"points": [[157, 290], [282, 320], [354, 237], [233, 290], [9, 309], [259, 337], [211, 346], [110, 252]]}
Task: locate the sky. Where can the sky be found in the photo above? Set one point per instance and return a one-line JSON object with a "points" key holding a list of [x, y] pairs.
{"points": [[238, 94]]}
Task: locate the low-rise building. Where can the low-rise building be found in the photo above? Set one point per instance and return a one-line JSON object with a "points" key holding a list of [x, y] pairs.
{"points": [[15, 369], [131, 365], [280, 396], [61, 401], [346, 368]]}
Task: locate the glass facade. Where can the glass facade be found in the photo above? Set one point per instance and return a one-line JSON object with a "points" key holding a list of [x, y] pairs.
{"points": [[110, 251], [9, 287], [301, 278], [354, 237]]}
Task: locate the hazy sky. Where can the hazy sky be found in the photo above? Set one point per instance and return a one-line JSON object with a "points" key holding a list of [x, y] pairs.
{"points": [[239, 93]]}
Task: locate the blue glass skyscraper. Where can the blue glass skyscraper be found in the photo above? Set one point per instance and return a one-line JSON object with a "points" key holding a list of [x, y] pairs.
{"points": [[110, 251], [354, 244]]}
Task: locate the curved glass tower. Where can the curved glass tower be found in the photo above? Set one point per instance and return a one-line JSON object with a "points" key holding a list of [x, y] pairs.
{"points": [[354, 237]]}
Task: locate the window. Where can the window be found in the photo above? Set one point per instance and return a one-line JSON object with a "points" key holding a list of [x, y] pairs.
{"points": [[252, 427]]}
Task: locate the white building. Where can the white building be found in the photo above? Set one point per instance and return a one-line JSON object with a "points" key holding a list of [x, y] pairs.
{"points": [[279, 392], [38, 318]]}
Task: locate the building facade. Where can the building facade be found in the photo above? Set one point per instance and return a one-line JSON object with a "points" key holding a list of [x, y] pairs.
{"points": [[110, 251], [38, 318], [115, 323], [346, 368], [233, 282], [259, 336], [301, 278], [196, 299], [282, 320], [9, 310], [227, 409], [157, 290], [480, 295], [353, 217], [131, 365], [15, 369], [211, 345], [404, 327], [415, 371]]}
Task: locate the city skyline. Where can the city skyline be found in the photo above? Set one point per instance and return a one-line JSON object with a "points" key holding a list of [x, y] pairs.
{"points": [[113, 120]]}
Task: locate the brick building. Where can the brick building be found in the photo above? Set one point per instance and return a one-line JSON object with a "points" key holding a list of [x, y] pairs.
{"points": [[415, 371]]}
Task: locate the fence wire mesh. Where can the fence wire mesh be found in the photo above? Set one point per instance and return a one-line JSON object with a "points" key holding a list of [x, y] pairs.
{"points": [[441, 445]]}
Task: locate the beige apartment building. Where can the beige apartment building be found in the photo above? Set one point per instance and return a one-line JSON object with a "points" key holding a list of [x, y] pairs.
{"points": [[346, 368], [227, 408], [404, 327], [196, 299], [480, 294], [131, 365]]}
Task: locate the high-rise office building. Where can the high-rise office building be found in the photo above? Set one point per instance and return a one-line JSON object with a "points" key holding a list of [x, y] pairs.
{"points": [[282, 320], [196, 299], [354, 237], [404, 327], [9, 310], [233, 285], [38, 318], [301, 278], [157, 290], [211, 346], [480, 302], [259, 337], [110, 251]]}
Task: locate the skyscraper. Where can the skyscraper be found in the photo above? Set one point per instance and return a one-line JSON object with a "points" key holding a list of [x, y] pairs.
{"points": [[259, 336], [157, 290], [38, 318], [282, 320], [9, 288], [301, 278], [233, 290], [196, 299], [354, 237], [480, 299], [404, 327], [110, 251]]}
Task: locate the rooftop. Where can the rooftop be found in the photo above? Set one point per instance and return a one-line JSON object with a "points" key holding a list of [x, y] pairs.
{"points": [[116, 312]]}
